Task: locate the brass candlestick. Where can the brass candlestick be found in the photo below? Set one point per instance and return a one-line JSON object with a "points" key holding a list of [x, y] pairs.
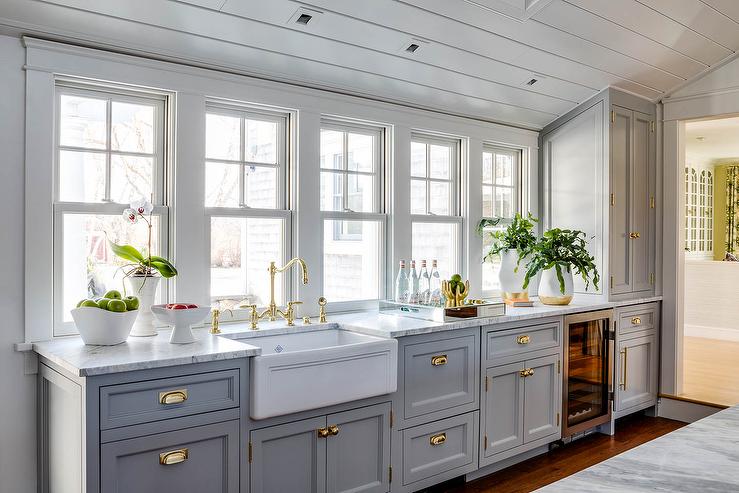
{"points": [[455, 297]]}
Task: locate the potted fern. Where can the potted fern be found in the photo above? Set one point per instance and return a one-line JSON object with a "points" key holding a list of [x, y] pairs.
{"points": [[513, 245], [556, 256]]}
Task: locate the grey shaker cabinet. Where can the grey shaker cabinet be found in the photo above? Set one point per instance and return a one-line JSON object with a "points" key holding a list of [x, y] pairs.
{"points": [[637, 371], [294, 457], [193, 460], [542, 398]]}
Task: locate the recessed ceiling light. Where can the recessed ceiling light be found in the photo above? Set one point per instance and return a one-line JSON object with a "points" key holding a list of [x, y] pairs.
{"points": [[531, 82], [303, 19], [412, 48]]}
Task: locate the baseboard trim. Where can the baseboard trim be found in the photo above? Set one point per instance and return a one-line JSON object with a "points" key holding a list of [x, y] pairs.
{"points": [[718, 333], [685, 409]]}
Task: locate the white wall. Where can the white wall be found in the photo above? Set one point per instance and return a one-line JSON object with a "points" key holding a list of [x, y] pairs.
{"points": [[711, 310], [17, 390]]}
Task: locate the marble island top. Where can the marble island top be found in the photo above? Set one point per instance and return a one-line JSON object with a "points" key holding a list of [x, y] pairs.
{"points": [[238, 340], [702, 457]]}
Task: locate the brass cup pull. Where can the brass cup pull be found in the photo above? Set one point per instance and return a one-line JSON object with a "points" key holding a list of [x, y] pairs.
{"points": [[525, 339], [636, 321], [322, 432], [526, 372], [173, 457], [173, 397], [439, 360], [333, 430], [437, 439]]}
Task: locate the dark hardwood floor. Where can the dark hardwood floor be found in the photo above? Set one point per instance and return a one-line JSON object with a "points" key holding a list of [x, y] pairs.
{"points": [[534, 473]]}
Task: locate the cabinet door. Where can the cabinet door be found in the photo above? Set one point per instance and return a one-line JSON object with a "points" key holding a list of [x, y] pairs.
{"points": [[503, 412], [204, 458], [637, 372], [289, 457], [641, 192], [358, 454], [620, 242], [542, 398]]}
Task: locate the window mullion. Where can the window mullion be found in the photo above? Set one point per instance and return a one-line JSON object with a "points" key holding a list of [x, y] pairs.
{"points": [[242, 159], [108, 146]]}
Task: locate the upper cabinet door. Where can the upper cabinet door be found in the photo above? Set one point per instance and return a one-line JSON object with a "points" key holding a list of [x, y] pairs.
{"points": [[620, 200], [641, 194], [289, 457], [358, 450]]}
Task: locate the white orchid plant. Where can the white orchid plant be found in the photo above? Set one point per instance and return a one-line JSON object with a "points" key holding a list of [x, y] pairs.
{"points": [[139, 264]]}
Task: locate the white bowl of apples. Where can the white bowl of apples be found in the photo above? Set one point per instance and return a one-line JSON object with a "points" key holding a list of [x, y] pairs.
{"points": [[106, 321], [181, 316]]}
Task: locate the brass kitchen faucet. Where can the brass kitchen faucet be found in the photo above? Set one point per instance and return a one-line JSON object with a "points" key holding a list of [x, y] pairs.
{"points": [[272, 311]]}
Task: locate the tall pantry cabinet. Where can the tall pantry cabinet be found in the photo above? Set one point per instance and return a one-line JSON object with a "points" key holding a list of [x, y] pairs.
{"points": [[599, 176]]}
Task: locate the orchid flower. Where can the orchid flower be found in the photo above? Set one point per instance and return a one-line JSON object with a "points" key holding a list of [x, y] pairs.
{"points": [[131, 216], [142, 206]]}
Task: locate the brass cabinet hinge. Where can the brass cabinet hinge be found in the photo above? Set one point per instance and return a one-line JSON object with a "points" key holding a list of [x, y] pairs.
{"points": [[392, 419], [613, 116], [651, 202], [486, 384], [613, 199], [557, 419], [651, 278], [250, 453], [611, 282], [390, 474], [559, 367], [651, 127], [485, 442]]}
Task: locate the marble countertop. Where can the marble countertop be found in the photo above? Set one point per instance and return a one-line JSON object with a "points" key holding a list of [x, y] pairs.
{"points": [[701, 457], [140, 353], [238, 340]]}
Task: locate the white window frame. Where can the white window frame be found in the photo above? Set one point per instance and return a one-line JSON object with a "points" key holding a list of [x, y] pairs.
{"points": [[699, 208], [282, 210], [457, 198], [518, 194], [108, 92], [378, 215]]}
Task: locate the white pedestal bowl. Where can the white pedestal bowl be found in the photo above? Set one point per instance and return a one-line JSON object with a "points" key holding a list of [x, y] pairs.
{"points": [[181, 321]]}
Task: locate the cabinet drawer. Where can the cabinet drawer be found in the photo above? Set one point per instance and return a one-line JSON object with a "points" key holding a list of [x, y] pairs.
{"points": [[637, 319], [438, 447], [438, 375], [503, 344], [204, 458], [154, 400]]}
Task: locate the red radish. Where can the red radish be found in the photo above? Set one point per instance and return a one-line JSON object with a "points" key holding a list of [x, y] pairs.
{"points": [[191, 305], [177, 306]]}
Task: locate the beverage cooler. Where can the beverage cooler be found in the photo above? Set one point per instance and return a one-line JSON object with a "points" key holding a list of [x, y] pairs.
{"points": [[588, 371]]}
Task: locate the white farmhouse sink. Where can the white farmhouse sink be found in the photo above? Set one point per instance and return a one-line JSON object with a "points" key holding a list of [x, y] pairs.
{"points": [[308, 370]]}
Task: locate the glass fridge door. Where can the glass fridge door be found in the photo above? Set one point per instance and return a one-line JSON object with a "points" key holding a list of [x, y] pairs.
{"points": [[587, 377]]}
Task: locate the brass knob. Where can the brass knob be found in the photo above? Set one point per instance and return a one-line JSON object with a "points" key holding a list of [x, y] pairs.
{"points": [[173, 457], [438, 439], [439, 360], [173, 397], [523, 339], [333, 430], [526, 372], [636, 321], [322, 432], [634, 235]]}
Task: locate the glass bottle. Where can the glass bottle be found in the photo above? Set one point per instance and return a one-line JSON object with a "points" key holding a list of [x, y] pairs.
{"points": [[401, 284], [413, 279], [434, 285], [424, 283]]}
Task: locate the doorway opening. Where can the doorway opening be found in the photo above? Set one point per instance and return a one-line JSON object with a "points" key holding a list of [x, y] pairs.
{"points": [[711, 262]]}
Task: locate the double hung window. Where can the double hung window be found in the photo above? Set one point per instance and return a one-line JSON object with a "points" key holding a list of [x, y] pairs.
{"points": [[353, 210], [246, 201], [109, 151]]}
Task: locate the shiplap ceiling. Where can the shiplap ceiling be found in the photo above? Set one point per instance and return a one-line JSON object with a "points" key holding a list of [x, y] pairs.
{"points": [[475, 57]]}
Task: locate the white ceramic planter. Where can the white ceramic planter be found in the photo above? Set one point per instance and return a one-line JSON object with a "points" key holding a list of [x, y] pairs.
{"points": [[511, 281], [549, 291], [98, 327], [145, 289]]}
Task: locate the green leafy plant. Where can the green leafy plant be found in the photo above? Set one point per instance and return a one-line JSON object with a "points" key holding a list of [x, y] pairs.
{"points": [[562, 248], [138, 263], [519, 235]]}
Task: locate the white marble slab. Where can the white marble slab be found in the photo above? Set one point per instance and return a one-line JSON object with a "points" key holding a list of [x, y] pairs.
{"points": [[140, 353], [702, 457], [154, 352]]}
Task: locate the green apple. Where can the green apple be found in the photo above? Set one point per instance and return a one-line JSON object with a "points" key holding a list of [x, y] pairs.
{"points": [[113, 294], [116, 306], [103, 303], [80, 302], [132, 302], [455, 277], [88, 303]]}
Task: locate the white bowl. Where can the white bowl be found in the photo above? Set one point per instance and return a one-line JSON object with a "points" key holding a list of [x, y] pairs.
{"points": [[98, 327], [181, 321]]}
